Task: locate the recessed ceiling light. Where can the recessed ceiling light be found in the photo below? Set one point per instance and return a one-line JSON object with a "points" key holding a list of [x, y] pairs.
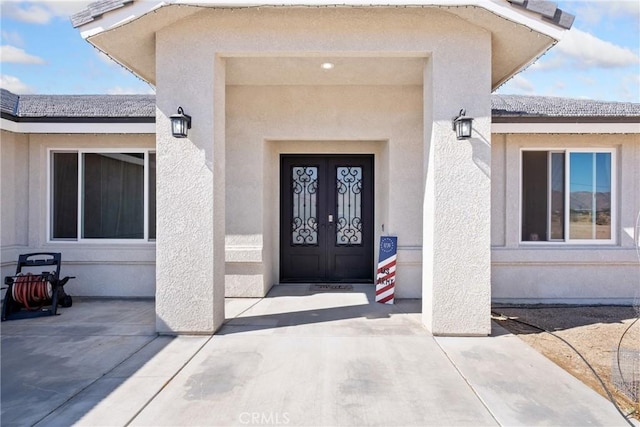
{"points": [[327, 65]]}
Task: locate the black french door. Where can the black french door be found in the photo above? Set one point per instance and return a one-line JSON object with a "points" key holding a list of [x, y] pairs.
{"points": [[326, 218]]}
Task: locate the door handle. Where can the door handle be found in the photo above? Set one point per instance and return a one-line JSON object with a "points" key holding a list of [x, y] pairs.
{"points": [[330, 219]]}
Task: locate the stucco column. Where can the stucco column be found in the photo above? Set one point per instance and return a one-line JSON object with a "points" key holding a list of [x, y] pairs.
{"points": [[190, 190], [456, 284]]}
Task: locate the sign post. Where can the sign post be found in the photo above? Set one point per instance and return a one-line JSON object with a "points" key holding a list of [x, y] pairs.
{"points": [[386, 278]]}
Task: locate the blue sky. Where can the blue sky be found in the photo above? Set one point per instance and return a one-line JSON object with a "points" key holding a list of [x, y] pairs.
{"points": [[598, 59]]}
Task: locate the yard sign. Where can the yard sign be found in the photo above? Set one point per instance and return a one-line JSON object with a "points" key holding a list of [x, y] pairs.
{"points": [[386, 278]]}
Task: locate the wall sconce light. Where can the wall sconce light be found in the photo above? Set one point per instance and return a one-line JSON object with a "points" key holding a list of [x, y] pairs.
{"points": [[180, 123], [462, 125]]}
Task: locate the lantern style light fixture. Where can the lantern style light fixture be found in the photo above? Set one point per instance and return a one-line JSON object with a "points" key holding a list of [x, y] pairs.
{"points": [[180, 124], [462, 125]]}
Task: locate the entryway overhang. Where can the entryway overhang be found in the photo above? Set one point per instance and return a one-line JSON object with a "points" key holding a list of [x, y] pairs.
{"points": [[520, 31], [253, 79]]}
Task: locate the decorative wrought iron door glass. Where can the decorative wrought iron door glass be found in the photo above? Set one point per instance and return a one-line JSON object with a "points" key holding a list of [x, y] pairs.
{"points": [[304, 191], [349, 205]]}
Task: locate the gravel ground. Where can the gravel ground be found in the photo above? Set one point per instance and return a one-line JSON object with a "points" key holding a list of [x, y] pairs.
{"points": [[608, 337]]}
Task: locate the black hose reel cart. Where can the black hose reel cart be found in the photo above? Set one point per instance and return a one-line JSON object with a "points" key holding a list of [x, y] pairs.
{"points": [[36, 285]]}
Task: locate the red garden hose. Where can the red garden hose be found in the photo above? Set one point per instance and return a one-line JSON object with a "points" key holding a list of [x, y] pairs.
{"points": [[31, 290]]}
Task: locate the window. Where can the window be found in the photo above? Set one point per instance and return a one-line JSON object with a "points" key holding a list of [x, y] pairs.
{"points": [[107, 195], [568, 196]]}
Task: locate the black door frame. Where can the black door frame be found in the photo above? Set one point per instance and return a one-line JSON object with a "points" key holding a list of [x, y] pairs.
{"points": [[328, 253]]}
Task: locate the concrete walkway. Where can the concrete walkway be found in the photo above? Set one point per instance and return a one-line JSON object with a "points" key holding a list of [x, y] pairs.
{"points": [[299, 357]]}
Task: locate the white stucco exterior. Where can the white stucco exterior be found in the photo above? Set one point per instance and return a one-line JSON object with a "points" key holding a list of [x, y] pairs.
{"points": [[251, 80], [370, 123], [102, 269], [407, 126], [520, 271], [558, 272]]}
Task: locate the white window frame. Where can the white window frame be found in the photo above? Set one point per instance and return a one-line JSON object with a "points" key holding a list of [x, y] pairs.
{"points": [[80, 152], [567, 171]]}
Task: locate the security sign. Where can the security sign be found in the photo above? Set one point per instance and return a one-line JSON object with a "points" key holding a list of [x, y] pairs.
{"points": [[386, 278]]}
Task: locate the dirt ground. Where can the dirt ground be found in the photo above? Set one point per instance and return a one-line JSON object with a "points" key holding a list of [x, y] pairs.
{"points": [[596, 332]]}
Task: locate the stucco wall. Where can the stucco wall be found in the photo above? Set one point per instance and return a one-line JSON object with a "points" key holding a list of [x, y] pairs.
{"points": [[14, 193], [541, 271], [101, 269], [457, 75], [520, 271], [266, 121], [457, 203]]}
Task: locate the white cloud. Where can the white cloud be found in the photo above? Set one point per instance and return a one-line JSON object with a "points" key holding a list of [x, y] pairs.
{"points": [[593, 12], [119, 90], [588, 51], [617, 7], [591, 16], [589, 81], [13, 84], [522, 84], [29, 13], [624, 7], [518, 84], [105, 58], [12, 38], [629, 88], [64, 7], [17, 55], [41, 11], [548, 62], [560, 85]]}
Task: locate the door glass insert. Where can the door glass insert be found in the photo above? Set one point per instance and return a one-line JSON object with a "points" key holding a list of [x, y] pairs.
{"points": [[304, 221], [349, 205]]}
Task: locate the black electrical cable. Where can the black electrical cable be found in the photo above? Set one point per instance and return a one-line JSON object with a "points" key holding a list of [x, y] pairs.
{"points": [[611, 398], [618, 354]]}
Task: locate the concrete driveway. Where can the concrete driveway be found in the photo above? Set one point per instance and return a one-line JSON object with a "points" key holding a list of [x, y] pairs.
{"points": [[303, 356]]}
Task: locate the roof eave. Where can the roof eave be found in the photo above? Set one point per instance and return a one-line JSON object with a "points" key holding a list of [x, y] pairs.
{"points": [[508, 9], [511, 10], [522, 67]]}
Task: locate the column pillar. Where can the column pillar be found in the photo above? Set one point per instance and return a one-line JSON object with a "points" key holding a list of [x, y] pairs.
{"points": [[190, 190], [456, 288]]}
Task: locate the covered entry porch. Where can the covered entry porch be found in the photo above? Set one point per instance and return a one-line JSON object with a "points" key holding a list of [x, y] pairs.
{"points": [[261, 83], [392, 105]]}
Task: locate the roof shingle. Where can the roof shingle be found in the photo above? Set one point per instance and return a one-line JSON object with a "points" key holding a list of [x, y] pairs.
{"points": [[144, 106], [547, 106], [95, 10], [8, 102], [78, 106]]}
